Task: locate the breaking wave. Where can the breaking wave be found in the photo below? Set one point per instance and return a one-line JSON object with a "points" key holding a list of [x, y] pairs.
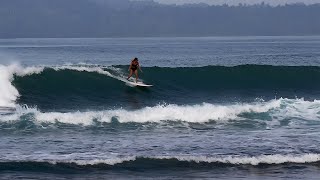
{"points": [[157, 162], [273, 111]]}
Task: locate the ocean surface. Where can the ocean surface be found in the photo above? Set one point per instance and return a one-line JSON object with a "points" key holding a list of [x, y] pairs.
{"points": [[220, 107]]}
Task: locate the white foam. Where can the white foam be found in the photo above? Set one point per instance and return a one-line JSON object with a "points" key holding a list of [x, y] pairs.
{"points": [[255, 160], [235, 160], [82, 68], [88, 159], [192, 113], [298, 108], [8, 93], [278, 110]]}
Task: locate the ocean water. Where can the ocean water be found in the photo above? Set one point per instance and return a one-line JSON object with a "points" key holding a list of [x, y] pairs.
{"points": [[220, 107]]}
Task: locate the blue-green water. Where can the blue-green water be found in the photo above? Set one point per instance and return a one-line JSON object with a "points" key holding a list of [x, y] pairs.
{"points": [[226, 108]]}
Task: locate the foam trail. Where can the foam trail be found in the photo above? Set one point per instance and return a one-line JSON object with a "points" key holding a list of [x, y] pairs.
{"points": [[94, 68], [82, 68]]}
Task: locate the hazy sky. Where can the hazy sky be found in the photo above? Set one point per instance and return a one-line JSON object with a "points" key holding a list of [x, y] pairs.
{"points": [[236, 2]]}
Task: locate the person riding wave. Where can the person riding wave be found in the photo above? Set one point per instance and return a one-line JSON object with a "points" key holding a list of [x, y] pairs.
{"points": [[133, 68]]}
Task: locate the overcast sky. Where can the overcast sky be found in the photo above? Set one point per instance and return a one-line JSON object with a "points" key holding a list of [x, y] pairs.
{"points": [[236, 2]]}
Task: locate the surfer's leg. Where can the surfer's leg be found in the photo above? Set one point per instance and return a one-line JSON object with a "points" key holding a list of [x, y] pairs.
{"points": [[136, 73], [130, 74]]}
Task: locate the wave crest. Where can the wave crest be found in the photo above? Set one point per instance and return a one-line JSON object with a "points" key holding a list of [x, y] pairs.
{"points": [[169, 161]]}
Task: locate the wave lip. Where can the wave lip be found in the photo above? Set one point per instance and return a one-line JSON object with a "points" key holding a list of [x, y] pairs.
{"points": [[9, 93]]}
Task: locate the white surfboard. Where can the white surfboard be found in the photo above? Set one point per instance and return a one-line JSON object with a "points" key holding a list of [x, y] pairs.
{"points": [[132, 83], [141, 84]]}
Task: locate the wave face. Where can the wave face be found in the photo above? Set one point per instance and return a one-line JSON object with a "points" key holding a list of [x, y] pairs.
{"points": [[95, 86]]}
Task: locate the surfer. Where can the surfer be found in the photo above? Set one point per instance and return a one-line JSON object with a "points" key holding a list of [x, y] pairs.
{"points": [[134, 68]]}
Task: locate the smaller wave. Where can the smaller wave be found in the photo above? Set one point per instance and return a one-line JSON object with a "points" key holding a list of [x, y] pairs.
{"points": [[154, 162], [192, 113], [272, 111]]}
